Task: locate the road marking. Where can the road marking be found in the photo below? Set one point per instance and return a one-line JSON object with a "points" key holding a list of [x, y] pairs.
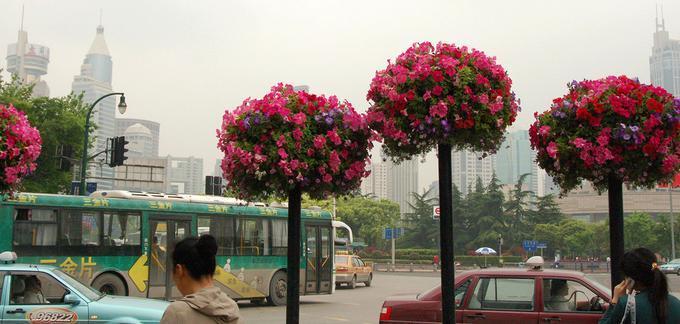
{"points": [[341, 319]]}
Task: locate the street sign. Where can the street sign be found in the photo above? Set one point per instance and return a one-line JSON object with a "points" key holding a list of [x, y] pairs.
{"points": [[90, 188], [530, 246], [436, 212], [393, 233], [542, 245], [388, 234]]}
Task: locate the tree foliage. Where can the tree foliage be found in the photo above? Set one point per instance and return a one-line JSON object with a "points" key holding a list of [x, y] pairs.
{"points": [[60, 121]]}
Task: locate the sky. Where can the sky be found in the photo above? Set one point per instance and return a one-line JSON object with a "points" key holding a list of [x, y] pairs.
{"points": [[183, 63]]}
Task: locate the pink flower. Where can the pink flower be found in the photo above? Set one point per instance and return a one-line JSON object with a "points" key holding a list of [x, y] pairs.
{"points": [[333, 137], [299, 119], [327, 178], [439, 110], [334, 161], [544, 130], [319, 142], [283, 154], [437, 90], [552, 150], [297, 134], [579, 142]]}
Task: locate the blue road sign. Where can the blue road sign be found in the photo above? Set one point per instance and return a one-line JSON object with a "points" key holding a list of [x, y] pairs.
{"points": [[530, 245], [388, 234], [90, 187]]}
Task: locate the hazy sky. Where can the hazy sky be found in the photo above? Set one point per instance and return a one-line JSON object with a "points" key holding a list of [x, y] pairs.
{"points": [[182, 63]]}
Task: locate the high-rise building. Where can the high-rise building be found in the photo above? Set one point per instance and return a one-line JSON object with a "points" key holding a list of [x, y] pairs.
{"points": [[122, 125], [29, 62], [402, 182], [468, 166], [94, 82], [217, 171], [376, 183], [515, 158], [184, 175], [142, 174], [664, 64], [140, 141]]}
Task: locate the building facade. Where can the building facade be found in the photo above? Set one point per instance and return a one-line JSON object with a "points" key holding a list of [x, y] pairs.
{"points": [[185, 175], [376, 183], [140, 141], [515, 158], [122, 124], [29, 62], [664, 63], [142, 174], [94, 81], [401, 183], [468, 166]]}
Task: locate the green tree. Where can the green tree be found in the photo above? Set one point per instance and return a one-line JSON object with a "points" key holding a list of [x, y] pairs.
{"points": [[60, 122], [640, 230], [547, 211], [517, 213], [422, 230]]}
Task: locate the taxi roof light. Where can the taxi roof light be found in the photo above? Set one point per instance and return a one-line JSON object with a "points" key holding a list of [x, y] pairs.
{"points": [[8, 257], [535, 263]]}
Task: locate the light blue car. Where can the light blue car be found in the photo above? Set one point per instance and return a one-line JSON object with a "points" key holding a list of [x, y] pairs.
{"points": [[671, 267], [45, 294]]}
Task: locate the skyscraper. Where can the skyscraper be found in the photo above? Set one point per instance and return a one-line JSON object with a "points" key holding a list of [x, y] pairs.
{"points": [[402, 182], [664, 64], [468, 166], [122, 125], [376, 183], [140, 141], [515, 158], [94, 82], [184, 175], [29, 62]]}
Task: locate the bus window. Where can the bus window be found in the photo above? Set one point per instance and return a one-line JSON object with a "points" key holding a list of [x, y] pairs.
{"points": [[222, 228], [279, 237], [252, 237], [121, 229], [35, 227], [79, 228]]}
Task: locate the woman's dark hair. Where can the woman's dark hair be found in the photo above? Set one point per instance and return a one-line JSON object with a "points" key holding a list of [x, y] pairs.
{"points": [[640, 264], [197, 255]]}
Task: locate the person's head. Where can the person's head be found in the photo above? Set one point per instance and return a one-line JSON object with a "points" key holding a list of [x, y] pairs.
{"points": [[193, 261], [641, 265], [33, 283], [558, 287]]}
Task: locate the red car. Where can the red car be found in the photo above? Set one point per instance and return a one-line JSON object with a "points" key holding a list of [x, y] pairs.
{"points": [[507, 296]]}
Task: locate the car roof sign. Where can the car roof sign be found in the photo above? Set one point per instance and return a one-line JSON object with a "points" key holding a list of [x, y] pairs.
{"points": [[8, 257], [535, 263]]}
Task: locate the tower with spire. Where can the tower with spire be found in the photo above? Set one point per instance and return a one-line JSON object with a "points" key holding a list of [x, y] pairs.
{"points": [[664, 63], [94, 81], [29, 61]]}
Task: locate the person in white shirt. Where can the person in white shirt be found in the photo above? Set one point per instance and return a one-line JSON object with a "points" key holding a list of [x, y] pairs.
{"points": [[33, 293]]}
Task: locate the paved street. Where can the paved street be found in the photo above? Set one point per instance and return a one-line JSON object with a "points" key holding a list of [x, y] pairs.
{"points": [[362, 304]]}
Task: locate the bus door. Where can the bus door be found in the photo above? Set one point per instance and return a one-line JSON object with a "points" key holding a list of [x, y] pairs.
{"points": [[164, 233], [319, 259]]}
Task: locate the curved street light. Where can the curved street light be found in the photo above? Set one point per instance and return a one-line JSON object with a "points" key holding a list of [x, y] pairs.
{"points": [[122, 107]]}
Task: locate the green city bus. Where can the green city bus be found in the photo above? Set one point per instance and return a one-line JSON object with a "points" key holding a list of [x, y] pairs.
{"points": [[120, 242]]}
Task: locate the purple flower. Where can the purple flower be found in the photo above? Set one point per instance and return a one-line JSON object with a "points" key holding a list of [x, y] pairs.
{"points": [[256, 120], [329, 120], [676, 102]]}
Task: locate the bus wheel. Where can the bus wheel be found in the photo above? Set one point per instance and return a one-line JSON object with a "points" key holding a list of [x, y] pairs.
{"points": [[110, 284], [277, 289]]}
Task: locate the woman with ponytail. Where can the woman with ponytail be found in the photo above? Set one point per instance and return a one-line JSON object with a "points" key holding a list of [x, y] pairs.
{"points": [[193, 262], [643, 296]]}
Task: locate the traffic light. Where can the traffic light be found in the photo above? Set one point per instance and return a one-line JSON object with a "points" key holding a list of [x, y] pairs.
{"points": [[118, 151], [110, 145], [213, 186]]}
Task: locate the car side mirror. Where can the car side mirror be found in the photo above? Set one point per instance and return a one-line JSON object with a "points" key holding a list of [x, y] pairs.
{"points": [[71, 299]]}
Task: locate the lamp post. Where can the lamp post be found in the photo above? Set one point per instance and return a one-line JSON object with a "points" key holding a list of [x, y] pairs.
{"points": [[122, 106]]}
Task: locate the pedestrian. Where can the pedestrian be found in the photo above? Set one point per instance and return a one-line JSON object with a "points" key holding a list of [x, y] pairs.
{"points": [[643, 296], [193, 267], [435, 262]]}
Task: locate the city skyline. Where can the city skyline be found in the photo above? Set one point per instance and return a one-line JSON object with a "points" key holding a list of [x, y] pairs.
{"points": [[223, 54]]}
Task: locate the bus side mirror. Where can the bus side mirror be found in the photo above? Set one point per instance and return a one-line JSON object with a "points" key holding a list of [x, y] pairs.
{"points": [[71, 299]]}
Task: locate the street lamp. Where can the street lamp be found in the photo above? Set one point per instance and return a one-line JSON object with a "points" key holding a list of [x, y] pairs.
{"points": [[122, 107]]}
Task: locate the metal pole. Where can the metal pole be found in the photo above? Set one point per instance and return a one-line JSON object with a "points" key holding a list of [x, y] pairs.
{"points": [[615, 195], [83, 161], [446, 234], [670, 198], [294, 252], [393, 263]]}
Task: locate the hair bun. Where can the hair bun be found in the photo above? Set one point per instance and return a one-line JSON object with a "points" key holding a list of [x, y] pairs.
{"points": [[206, 246]]}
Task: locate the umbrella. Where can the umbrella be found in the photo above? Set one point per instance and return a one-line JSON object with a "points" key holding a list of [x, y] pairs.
{"points": [[485, 251]]}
